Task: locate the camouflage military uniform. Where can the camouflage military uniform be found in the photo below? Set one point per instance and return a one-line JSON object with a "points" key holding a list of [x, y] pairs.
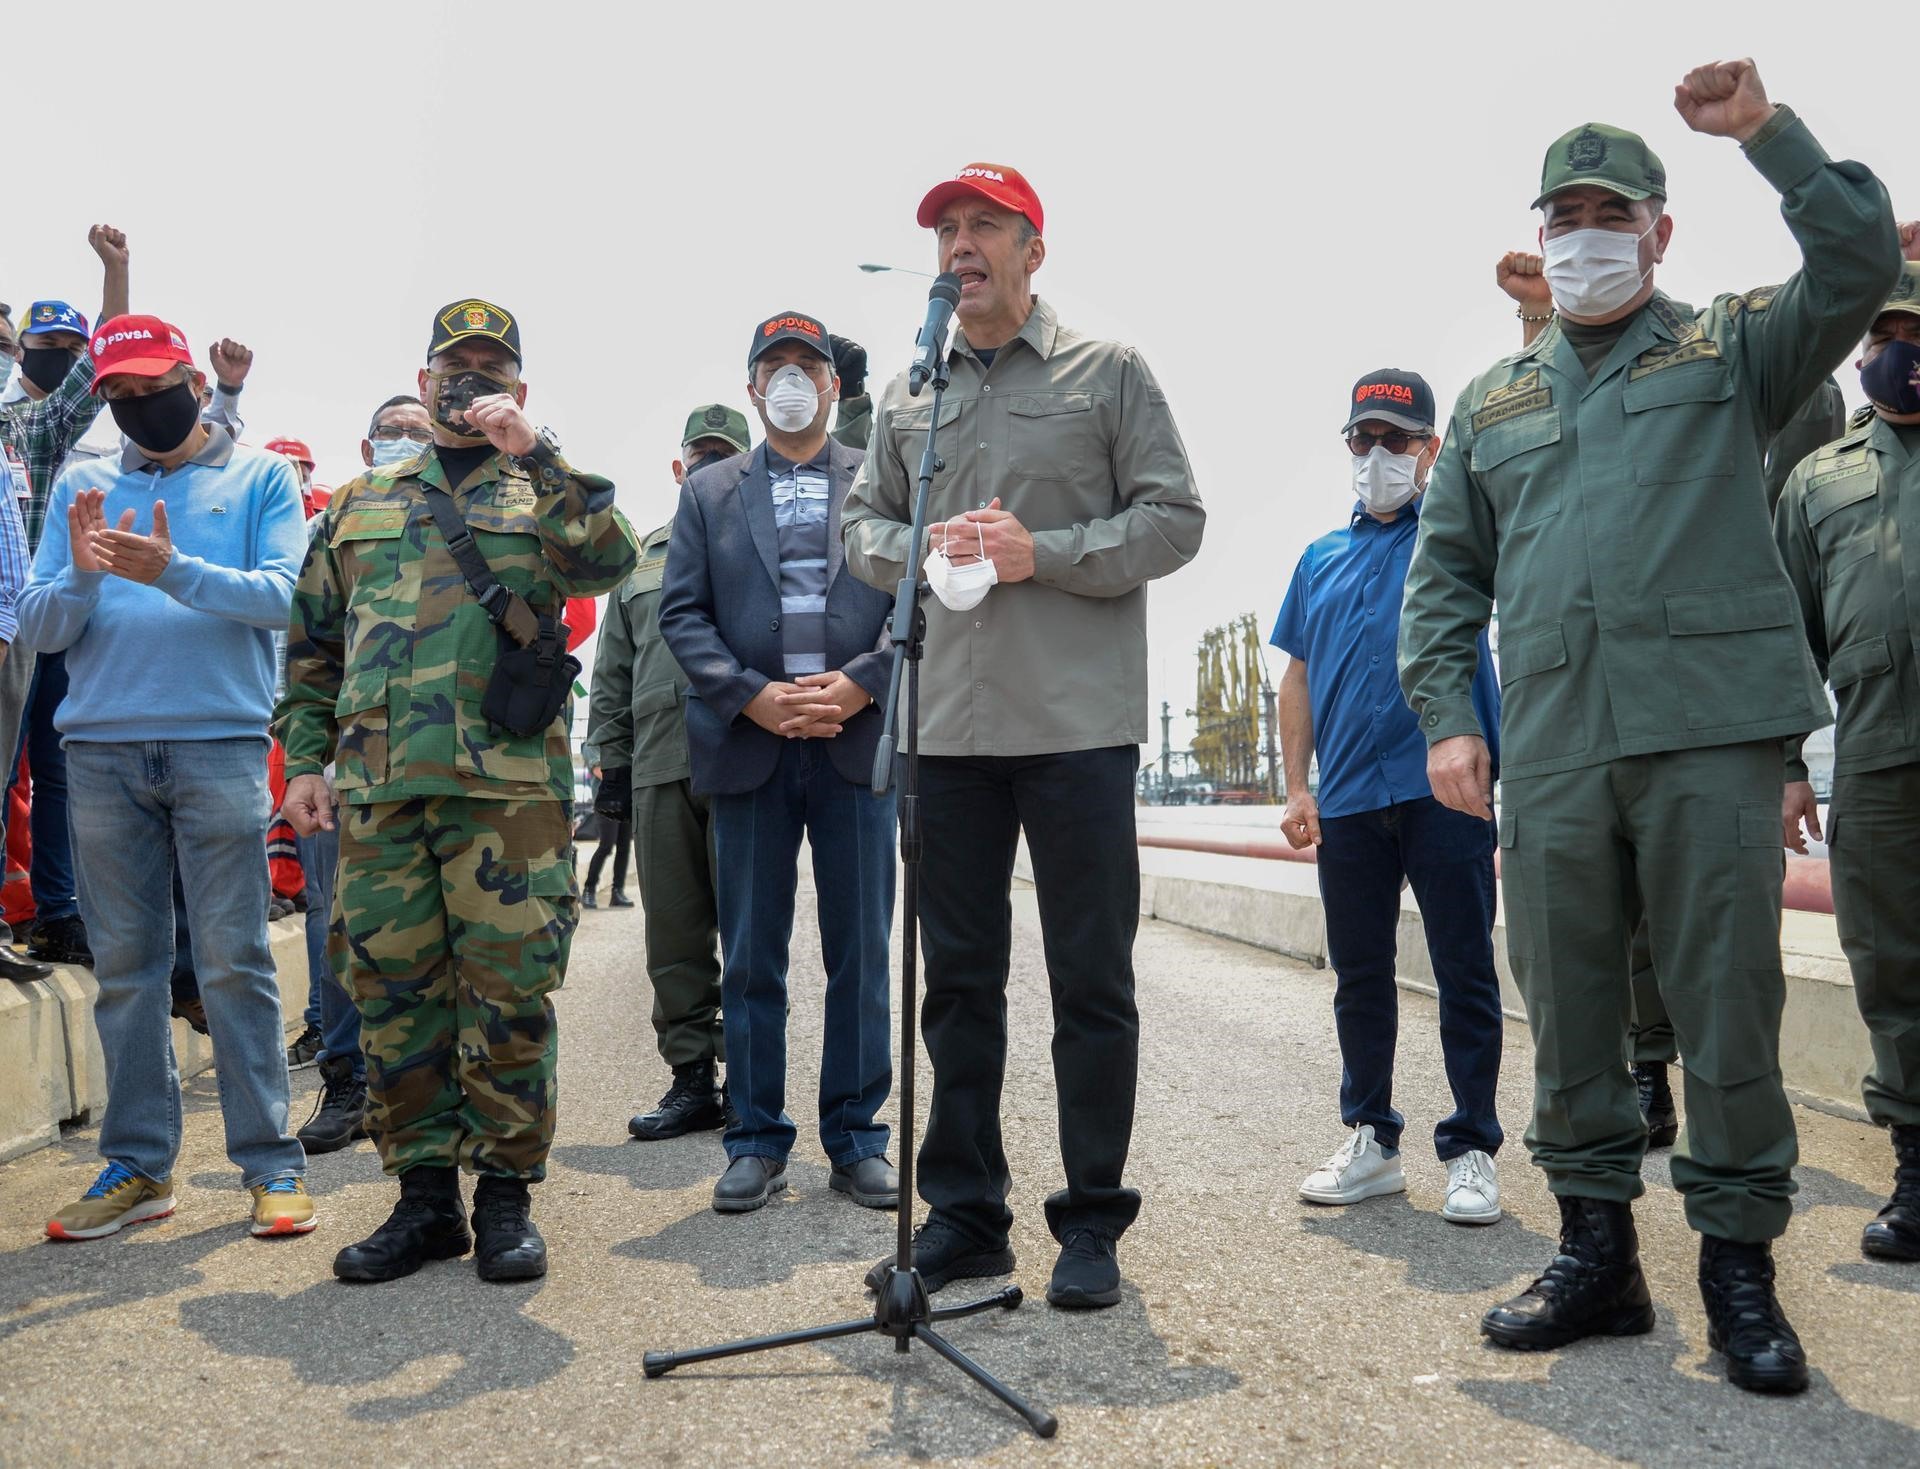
{"points": [[455, 902]]}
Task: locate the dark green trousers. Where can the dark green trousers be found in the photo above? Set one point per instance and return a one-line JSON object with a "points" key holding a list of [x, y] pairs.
{"points": [[1692, 838], [673, 852], [1875, 850], [1650, 1037]]}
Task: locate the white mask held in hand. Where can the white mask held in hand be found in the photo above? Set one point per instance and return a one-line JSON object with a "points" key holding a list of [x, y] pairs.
{"points": [[1594, 272], [960, 588], [791, 400], [1384, 482]]}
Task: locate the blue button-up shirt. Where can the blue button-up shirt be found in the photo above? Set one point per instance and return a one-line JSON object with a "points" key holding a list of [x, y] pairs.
{"points": [[1342, 619]]}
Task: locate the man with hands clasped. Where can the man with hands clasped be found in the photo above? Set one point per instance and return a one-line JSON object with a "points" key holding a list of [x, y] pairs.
{"points": [[785, 652], [1606, 487]]}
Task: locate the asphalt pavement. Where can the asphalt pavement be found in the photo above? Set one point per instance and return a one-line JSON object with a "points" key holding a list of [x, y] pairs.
{"points": [[1255, 1329]]}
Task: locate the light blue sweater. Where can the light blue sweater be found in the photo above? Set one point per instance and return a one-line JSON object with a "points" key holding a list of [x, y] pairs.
{"points": [[190, 657]]}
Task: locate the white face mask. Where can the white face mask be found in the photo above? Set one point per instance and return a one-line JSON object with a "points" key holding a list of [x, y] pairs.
{"points": [[1384, 482], [1595, 272], [394, 451], [791, 400], [960, 588]]}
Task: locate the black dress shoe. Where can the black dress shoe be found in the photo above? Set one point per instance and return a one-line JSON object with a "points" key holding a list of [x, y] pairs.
{"points": [[1656, 1103], [1087, 1274], [692, 1104], [61, 941], [942, 1253], [1592, 1286], [747, 1184], [427, 1224], [506, 1246], [1744, 1321], [872, 1183], [619, 900], [12, 966], [1894, 1234], [587, 900]]}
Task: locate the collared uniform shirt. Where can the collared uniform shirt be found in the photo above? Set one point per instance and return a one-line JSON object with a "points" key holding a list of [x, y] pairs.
{"points": [[1848, 528], [1075, 438], [1341, 617]]}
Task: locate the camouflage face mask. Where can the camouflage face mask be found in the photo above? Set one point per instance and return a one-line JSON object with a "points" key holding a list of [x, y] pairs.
{"points": [[455, 392]]}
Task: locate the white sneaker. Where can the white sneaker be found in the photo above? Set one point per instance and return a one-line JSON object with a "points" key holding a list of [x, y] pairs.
{"points": [[1358, 1171], [1473, 1190]]}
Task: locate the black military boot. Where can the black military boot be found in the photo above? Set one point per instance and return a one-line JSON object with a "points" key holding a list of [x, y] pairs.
{"points": [[692, 1104], [1744, 1321], [1656, 1103], [506, 1245], [428, 1223], [341, 1115], [1894, 1234], [1592, 1287]]}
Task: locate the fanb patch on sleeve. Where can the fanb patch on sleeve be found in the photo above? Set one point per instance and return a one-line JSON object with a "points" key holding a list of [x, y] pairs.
{"points": [[1525, 394]]}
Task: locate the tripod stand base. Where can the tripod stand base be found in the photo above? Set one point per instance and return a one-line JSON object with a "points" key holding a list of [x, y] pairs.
{"points": [[902, 1311]]}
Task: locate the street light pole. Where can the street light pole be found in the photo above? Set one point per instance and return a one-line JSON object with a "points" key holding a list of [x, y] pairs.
{"points": [[897, 270]]}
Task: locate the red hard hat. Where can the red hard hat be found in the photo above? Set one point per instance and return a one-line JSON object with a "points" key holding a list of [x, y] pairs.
{"points": [[293, 449]]}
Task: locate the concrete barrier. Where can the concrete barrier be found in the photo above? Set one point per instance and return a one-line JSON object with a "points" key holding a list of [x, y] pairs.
{"points": [[1276, 905], [52, 1073]]}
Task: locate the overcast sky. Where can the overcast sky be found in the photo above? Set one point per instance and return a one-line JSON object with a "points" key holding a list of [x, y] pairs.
{"points": [[1267, 204]]}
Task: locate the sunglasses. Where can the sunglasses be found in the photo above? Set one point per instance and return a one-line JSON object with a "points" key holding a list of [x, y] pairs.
{"points": [[1394, 441]]}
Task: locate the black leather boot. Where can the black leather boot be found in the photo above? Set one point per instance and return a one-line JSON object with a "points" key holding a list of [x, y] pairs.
{"points": [[427, 1224], [692, 1104], [341, 1115], [1592, 1287], [506, 1245], [1894, 1234], [1744, 1321], [1656, 1103]]}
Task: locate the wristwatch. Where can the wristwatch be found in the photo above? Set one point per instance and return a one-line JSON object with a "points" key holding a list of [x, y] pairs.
{"points": [[546, 446]]}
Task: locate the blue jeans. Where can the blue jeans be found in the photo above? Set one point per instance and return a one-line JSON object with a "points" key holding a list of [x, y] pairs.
{"points": [[339, 1017], [757, 845], [54, 894], [138, 808], [1447, 858]]}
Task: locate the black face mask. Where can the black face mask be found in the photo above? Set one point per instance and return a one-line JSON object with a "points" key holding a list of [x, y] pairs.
{"points": [[160, 422], [46, 367]]}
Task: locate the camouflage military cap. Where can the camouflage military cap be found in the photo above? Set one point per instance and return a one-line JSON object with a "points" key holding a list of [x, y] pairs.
{"points": [[474, 318], [1906, 290], [1607, 158], [717, 421]]}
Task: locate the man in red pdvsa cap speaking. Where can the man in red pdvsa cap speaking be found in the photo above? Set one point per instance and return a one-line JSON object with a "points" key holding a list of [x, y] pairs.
{"points": [[1066, 491]]}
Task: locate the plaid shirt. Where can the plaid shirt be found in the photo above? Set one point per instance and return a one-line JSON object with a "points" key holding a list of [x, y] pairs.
{"points": [[15, 563], [42, 433]]}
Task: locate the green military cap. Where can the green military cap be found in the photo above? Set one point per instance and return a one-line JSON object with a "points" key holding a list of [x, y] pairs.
{"points": [[1906, 290], [474, 318], [717, 421], [1607, 158]]}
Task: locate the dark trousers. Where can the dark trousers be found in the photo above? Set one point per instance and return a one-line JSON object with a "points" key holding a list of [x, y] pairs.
{"points": [[616, 837], [1077, 811], [55, 889], [673, 842], [1447, 858], [757, 838]]}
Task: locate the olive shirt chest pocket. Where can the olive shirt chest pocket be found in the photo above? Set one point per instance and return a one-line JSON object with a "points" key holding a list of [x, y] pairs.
{"points": [[1676, 428], [1513, 464], [1843, 513], [1051, 436]]}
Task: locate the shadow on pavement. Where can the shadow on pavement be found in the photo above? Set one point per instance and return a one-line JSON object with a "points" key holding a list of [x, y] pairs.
{"points": [[1820, 1189], [140, 1263], [1634, 1401], [680, 1162], [807, 1225], [1888, 1276], [1441, 1258], [334, 1335]]}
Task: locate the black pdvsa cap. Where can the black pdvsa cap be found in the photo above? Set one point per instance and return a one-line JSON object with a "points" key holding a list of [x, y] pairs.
{"points": [[1402, 399], [789, 326]]}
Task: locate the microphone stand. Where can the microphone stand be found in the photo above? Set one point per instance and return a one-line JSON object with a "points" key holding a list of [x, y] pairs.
{"points": [[901, 1308]]}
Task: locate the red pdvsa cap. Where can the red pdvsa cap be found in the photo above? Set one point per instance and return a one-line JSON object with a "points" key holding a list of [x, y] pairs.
{"points": [[292, 449], [137, 346], [994, 182]]}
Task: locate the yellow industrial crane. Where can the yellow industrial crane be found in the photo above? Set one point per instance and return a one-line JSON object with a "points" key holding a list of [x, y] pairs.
{"points": [[1234, 715]]}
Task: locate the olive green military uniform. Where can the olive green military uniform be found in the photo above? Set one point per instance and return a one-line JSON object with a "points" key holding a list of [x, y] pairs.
{"points": [[1848, 527], [639, 721], [455, 902], [1651, 662], [853, 425]]}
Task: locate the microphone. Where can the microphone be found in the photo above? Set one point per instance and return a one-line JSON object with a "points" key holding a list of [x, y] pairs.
{"points": [[932, 340]]}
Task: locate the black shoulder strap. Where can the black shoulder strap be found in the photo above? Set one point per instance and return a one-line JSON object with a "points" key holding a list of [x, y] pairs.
{"points": [[508, 609]]}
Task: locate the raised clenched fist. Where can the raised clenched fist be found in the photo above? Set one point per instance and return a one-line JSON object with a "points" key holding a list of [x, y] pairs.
{"points": [[1723, 99]]}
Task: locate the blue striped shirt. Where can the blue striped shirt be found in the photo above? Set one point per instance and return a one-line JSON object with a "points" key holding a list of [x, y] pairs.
{"points": [[800, 512], [15, 563]]}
